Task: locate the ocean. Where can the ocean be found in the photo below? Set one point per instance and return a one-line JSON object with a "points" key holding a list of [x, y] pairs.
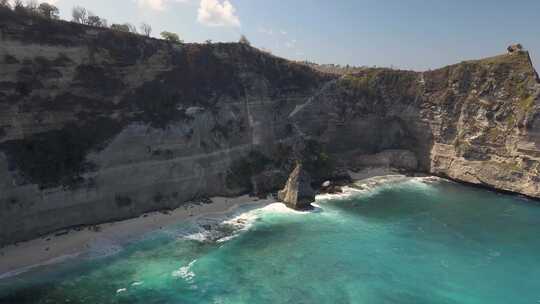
{"points": [[412, 240]]}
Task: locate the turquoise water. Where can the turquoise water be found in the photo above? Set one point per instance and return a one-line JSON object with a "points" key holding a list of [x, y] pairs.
{"points": [[410, 242]]}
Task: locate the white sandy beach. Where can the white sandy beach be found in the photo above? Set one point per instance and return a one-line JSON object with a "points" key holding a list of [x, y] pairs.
{"points": [[50, 249]]}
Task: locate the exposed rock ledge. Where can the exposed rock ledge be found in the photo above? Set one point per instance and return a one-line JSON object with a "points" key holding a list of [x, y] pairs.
{"points": [[399, 159]]}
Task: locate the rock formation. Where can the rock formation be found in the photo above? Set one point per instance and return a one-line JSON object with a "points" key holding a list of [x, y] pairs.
{"points": [[99, 125], [298, 193], [330, 188], [515, 48]]}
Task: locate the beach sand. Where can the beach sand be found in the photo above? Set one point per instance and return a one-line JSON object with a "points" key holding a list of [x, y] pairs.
{"points": [[53, 248]]}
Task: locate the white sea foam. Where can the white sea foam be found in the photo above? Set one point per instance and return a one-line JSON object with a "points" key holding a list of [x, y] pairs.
{"points": [[372, 186], [226, 228], [283, 209], [220, 230], [121, 290], [185, 272], [346, 192]]}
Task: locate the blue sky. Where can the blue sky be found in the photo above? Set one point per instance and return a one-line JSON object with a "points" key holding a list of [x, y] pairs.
{"points": [[409, 34]]}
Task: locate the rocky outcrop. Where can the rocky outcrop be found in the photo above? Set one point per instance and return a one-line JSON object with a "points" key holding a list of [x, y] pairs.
{"points": [[98, 125], [298, 193], [330, 188], [515, 48]]}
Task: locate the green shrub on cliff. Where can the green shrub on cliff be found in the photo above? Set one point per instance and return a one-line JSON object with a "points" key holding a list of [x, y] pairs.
{"points": [[526, 104], [126, 27], [244, 40], [79, 14], [171, 37], [49, 11], [96, 21], [317, 162]]}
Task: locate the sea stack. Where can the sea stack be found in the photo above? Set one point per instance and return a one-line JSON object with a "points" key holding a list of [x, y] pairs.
{"points": [[298, 193]]}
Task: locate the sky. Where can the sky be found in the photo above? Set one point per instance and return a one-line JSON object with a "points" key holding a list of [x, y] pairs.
{"points": [[406, 34]]}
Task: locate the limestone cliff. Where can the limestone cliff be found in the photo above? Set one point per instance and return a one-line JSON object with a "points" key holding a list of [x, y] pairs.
{"points": [[98, 125], [476, 122]]}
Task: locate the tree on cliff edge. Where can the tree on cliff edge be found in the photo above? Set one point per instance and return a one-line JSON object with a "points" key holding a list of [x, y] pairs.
{"points": [[146, 29], [94, 20], [32, 6], [18, 6], [49, 11], [171, 37], [79, 15], [244, 40], [120, 27], [5, 3]]}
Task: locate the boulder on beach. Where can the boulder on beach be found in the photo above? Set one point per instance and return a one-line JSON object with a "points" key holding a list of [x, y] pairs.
{"points": [[330, 188], [298, 193]]}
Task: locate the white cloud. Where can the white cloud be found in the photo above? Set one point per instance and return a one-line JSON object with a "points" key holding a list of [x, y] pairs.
{"points": [[217, 13], [157, 5], [210, 13]]}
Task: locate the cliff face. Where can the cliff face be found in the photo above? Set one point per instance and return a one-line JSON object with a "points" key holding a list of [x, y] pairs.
{"points": [[486, 124], [97, 125], [475, 122]]}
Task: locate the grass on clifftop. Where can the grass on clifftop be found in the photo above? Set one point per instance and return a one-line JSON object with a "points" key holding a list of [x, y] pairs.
{"points": [[370, 82], [518, 63]]}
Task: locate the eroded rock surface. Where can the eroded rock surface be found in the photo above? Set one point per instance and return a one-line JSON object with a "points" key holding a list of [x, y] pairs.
{"points": [[399, 159], [298, 193]]}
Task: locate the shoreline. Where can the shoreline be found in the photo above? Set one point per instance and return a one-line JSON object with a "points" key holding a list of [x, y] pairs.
{"points": [[72, 243], [59, 246]]}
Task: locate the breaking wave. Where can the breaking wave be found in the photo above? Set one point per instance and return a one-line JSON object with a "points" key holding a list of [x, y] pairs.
{"points": [[185, 272], [220, 230], [373, 186]]}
